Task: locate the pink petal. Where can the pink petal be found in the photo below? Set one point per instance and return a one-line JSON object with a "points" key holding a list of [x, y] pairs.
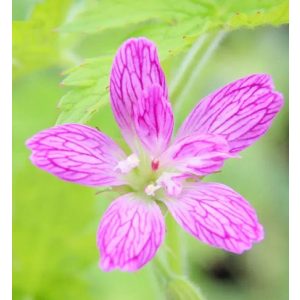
{"points": [[154, 120], [136, 67], [129, 233], [199, 154], [77, 153], [218, 216], [241, 111]]}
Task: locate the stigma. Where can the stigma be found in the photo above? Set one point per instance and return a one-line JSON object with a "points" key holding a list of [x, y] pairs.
{"points": [[154, 164]]}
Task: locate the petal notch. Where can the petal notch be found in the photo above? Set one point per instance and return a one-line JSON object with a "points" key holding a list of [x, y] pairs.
{"points": [[154, 120]]}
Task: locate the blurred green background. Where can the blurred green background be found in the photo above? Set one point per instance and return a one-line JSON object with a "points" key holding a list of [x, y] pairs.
{"points": [[55, 223]]}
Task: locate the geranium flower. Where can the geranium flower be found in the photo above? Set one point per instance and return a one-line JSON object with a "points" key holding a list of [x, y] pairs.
{"points": [[160, 173]]}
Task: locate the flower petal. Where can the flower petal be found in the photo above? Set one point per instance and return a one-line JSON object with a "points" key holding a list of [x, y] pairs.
{"points": [[77, 153], [129, 233], [199, 154], [218, 216], [241, 111], [154, 120], [136, 67]]}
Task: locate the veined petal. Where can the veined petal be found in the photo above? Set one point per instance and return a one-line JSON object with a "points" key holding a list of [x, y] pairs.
{"points": [[154, 120], [198, 154], [129, 233], [217, 215], [135, 68], [241, 111], [77, 153]]}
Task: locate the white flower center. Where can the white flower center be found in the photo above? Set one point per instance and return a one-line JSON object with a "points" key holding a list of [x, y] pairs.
{"points": [[145, 174], [151, 189], [126, 165]]}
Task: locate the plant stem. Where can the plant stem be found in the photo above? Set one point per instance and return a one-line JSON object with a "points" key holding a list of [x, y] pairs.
{"points": [[174, 249], [187, 73], [185, 66]]}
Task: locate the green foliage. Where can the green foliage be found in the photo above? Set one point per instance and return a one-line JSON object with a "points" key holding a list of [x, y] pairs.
{"points": [[173, 25], [196, 13], [36, 41]]}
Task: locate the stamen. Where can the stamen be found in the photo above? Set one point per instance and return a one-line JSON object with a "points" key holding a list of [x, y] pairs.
{"points": [[151, 189], [131, 162], [168, 181]]}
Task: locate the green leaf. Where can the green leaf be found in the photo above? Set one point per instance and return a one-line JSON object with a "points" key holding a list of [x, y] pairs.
{"points": [[104, 15], [90, 85], [275, 15], [35, 41], [172, 25]]}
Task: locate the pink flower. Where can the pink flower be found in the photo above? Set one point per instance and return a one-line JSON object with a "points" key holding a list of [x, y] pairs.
{"points": [[158, 171]]}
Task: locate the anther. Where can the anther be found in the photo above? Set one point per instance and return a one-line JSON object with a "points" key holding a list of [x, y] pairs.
{"points": [[125, 166]]}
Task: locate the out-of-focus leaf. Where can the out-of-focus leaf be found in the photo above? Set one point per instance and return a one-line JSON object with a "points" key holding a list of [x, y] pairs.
{"points": [[105, 15], [173, 25], [36, 41], [182, 289]]}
